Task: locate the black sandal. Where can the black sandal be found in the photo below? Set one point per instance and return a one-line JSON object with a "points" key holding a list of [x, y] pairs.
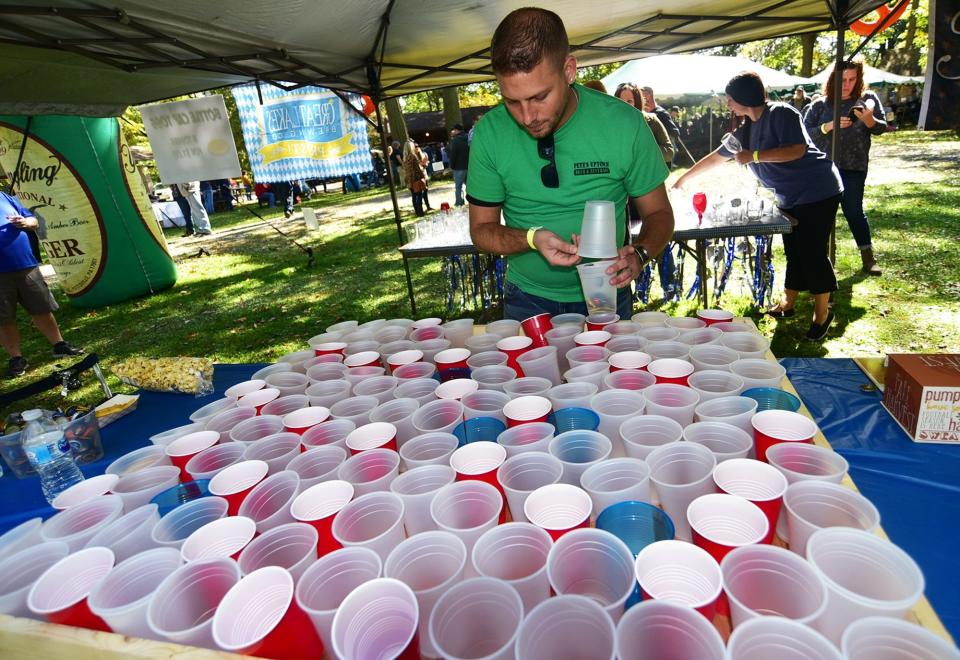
{"points": [[781, 313]]}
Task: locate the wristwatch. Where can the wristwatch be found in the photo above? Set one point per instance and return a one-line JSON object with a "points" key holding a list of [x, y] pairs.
{"points": [[645, 257]]}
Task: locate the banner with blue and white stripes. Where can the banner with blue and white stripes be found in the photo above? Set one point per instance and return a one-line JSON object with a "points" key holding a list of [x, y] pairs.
{"points": [[307, 133]]}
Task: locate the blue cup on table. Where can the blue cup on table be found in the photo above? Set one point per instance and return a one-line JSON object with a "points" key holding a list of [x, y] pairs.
{"points": [[574, 419], [479, 429], [444, 375], [772, 398], [180, 494]]}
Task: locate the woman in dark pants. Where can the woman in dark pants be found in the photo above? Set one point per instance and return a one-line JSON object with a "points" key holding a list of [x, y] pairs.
{"points": [[781, 155]]}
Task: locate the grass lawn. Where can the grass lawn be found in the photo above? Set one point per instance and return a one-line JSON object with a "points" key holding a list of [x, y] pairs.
{"points": [[254, 298]]}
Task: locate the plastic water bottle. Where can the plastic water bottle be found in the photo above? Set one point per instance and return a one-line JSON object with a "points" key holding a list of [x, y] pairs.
{"points": [[48, 451]]}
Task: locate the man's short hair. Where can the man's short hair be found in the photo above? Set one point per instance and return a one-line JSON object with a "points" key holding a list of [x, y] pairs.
{"points": [[458, 127], [525, 38]]}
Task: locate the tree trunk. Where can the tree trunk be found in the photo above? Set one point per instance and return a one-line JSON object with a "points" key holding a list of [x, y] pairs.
{"points": [[451, 107], [807, 41], [398, 128]]}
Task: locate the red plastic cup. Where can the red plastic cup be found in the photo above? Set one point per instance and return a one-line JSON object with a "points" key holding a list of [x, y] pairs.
{"points": [[720, 522], [257, 400], [403, 358], [329, 348], [756, 481], [536, 328], [597, 320], [318, 506], [363, 359], [225, 537], [479, 461], [452, 358], [259, 616], [592, 338], [558, 509], [514, 347], [299, 421], [186, 447], [527, 410], [60, 594], [235, 482], [773, 427], [629, 360], [376, 435], [671, 370], [711, 316]]}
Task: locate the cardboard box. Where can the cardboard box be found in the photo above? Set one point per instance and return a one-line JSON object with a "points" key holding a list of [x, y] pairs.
{"points": [[923, 395]]}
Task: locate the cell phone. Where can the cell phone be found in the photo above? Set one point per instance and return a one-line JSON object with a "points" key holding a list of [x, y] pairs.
{"points": [[852, 115]]}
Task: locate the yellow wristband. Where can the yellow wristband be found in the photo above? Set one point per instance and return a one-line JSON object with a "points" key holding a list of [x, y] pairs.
{"points": [[530, 233], [823, 129], [756, 156]]}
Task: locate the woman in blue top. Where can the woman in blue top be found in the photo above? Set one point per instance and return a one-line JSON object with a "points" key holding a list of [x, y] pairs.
{"points": [[779, 152]]}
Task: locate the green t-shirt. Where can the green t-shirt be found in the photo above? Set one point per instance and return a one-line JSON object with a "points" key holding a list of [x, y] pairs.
{"points": [[605, 151]]}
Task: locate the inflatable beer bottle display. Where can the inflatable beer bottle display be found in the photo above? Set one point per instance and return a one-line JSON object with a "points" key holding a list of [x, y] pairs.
{"points": [[102, 238]]}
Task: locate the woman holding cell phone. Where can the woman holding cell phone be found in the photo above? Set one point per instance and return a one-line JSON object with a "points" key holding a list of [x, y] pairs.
{"points": [[861, 117]]}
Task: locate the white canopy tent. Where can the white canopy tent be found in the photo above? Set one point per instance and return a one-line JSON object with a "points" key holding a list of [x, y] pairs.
{"points": [[681, 75], [872, 76]]}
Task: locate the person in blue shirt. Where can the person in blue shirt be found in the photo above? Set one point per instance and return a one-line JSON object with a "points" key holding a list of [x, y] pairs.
{"points": [[21, 283]]}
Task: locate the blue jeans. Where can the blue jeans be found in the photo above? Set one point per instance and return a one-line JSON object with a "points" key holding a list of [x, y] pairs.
{"points": [[852, 205], [459, 179], [519, 305], [207, 194]]}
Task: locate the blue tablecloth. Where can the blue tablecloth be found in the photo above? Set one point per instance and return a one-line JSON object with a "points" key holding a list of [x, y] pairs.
{"points": [[915, 486]]}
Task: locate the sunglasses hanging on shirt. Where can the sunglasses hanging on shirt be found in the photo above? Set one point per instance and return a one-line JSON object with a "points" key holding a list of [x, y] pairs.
{"points": [[546, 149]]}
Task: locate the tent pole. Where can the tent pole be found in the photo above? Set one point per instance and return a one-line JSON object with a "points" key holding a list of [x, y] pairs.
{"points": [[837, 93]]}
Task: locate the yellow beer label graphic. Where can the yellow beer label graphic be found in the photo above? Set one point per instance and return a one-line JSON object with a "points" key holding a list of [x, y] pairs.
{"points": [[47, 184], [138, 192]]}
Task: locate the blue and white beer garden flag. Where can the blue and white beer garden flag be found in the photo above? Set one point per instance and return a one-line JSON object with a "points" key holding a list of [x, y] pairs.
{"points": [[307, 133]]}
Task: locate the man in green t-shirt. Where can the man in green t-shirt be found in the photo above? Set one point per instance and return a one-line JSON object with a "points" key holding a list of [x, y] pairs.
{"points": [[542, 154]]}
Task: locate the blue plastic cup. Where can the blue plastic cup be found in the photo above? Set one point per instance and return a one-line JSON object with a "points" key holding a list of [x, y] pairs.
{"points": [[637, 524], [477, 429], [574, 419], [452, 374], [180, 494], [772, 398]]}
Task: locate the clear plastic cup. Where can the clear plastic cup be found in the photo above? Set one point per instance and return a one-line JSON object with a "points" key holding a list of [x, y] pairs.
{"points": [[614, 407], [205, 413], [174, 528], [323, 372], [493, 377], [659, 630], [517, 554], [757, 372], [389, 334], [458, 331], [485, 403], [285, 405], [268, 504], [526, 438], [432, 448], [724, 440], [271, 369], [140, 459], [598, 293], [558, 509], [882, 637], [768, 637], [504, 328], [592, 563], [684, 322], [292, 546], [616, 480], [641, 435], [572, 395], [628, 379], [430, 348], [681, 573], [244, 388], [417, 488], [669, 349], [78, 524], [21, 568], [722, 522], [441, 416], [429, 563], [527, 410], [566, 627], [483, 343], [317, 464], [714, 384], [421, 389], [209, 462], [370, 471], [581, 355], [84, 491], [375, 435], [733, 326], [763, 580], [674, 401], [275, 450], [598, 231], [637, 524], [747, 344], [801, 462], [318, 506], [182, 608], [332, 433], [288, 382], [380, 387], [626, 344], [487, 358], [569, 319], [129, 534], [466, 509], [681, 472], [257, 400], [224, 422], [356, 409], [343, 327], [326, 393], [814, 505], [593, 373], [700, 336], [457, 388], [61, 594], [761, 484], [379, 619], [578, 450], [374, 521], [735, 410], [561, 338], [712, 357], [524, 473], [122, 597], [22, 536], [398, 412], [329, 580], [527, 386], [476, 618], [164, 438], [541, 362]]}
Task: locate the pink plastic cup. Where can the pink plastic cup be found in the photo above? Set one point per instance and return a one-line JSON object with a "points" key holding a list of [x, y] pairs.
{"points": [[403, 358], [658, 629], [209, 462], [711, 316], [721, 522], [680, 573], [597, 320], [374, 521], [186, 447], [299, 421], [628, 360], [670, 370], [244, 388], [318, 464], [60, 595], [292, 546], [477, 618], [318, 506], [234, 483], [757, 482], [566, 627], [772, 427], [225, 537], [275, 450], [379, 619], [84, 491], [268, 504], [370, 471], [536, 327], [257, 400], [558, 509], [377, 435], [592, 563], [332, 433], [527, 410]]}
